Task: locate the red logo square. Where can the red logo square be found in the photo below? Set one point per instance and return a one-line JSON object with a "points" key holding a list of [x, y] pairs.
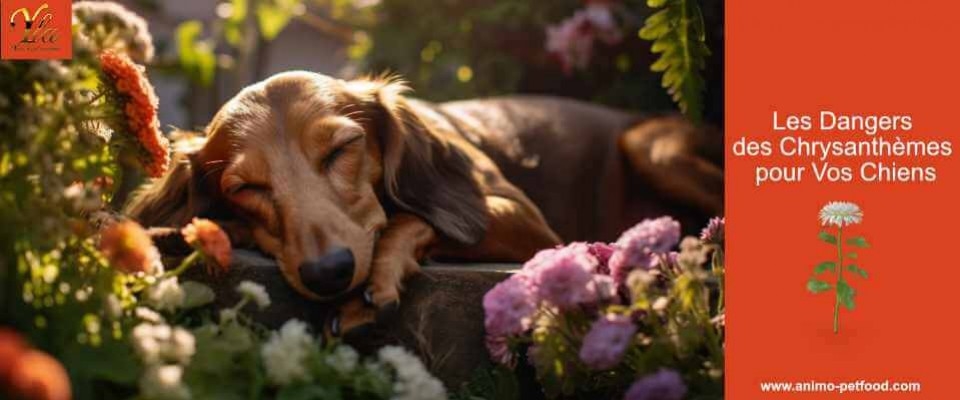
{"points": [[35, 29]]}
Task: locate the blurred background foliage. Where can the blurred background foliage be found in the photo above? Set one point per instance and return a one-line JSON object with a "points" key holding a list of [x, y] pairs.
{"points": [[446, 49]]}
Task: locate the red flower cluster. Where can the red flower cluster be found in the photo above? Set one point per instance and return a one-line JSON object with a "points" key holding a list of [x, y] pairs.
{"points": [[212, 241], [140, 108], [27, 373]]}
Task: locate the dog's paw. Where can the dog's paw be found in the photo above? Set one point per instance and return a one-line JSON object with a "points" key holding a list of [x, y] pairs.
{"points": [[360, 315]]}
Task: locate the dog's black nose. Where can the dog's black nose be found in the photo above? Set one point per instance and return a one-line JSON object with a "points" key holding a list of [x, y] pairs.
{"points": [[330, 274]]}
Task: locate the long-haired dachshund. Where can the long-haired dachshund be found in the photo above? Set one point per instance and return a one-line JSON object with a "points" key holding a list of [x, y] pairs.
{"points": [[349, 183]]}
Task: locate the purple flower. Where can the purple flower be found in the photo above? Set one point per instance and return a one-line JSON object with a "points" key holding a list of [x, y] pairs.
{"points": [[662, 385], [638, 246], [604, 345], [563, 277], [713, 232], [508, 307]]}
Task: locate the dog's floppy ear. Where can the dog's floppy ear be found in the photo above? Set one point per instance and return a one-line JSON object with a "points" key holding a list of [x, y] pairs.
{"points": [[424, 173], [172, 200]]}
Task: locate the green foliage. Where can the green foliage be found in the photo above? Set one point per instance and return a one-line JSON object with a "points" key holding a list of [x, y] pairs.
{"points": [[825, 266], [827, 237], [196, 56], [815, 285], [858, 241], [678, 35], [274, 15]]}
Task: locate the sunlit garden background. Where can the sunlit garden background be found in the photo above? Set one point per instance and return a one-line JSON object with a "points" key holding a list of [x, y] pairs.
{"points": [[90, 308]]}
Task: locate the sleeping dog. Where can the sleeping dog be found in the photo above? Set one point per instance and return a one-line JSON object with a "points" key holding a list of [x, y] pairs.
{"points": [[348, 184]]}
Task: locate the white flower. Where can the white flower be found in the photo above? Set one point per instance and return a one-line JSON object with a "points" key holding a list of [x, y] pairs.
{"points": [[840, 213], [165, 295], [413, 380], [255, 292], [148, 315], [285, 352], [343, 359], [157, 344], [112, 306], [163, 382]]}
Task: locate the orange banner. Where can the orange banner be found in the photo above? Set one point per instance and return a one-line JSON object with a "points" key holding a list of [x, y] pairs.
{"points": [[853, 102]]}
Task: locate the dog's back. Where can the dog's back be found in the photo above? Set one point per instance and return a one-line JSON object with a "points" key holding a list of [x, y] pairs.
{"points": [[568, 156]]}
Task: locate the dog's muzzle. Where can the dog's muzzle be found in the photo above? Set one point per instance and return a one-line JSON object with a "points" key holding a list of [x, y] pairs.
{"points": [[330, 274]]}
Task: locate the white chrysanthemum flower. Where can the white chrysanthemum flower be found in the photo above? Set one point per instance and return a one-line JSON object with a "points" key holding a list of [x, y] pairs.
{"points": [[163, 382], [145, 343], [255, 292], [285, 352], [413, 380], [840, 213], [181, 346], [157, 344], [343, 359], [165, 295], [148, 315]]}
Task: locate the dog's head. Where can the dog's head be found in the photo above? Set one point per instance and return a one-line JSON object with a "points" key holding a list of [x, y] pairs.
{"points": [[308, 168]]}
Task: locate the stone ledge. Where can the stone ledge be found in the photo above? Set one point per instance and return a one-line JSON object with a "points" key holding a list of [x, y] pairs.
{"points": [[440, 315]]}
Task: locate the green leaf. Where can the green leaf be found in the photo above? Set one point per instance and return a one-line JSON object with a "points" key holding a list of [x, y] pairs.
{"points": [[309, 392], [858, 241], [852, 256], [825, 266], [196, 57], [274, 15], [196, 294], [677, 33], [817, 286], [827, 237], [845, 293], [857, 270]]}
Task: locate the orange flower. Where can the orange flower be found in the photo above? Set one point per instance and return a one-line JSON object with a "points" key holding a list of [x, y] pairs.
{"points": [[35, 375], [128, 247], [212, 241], [139, 105], [11, 347]]}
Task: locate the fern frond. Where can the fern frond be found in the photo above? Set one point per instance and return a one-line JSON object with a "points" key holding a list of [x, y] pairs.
{"points": [[678, 35]]}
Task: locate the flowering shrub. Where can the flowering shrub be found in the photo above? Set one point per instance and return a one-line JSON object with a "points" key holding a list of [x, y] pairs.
{"points": [[632, 318], [89, 309]]}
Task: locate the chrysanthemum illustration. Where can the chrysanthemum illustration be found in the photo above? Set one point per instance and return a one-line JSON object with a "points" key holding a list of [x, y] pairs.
{"points": [[128, 248], [212, 241], [840, 213], [138, 103]]}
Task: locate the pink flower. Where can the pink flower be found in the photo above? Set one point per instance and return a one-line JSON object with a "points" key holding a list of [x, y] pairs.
{"points": [[500, 352], [572, 39], [713, 232], [640, 245], [603, 252], [508, 307], [608, 339], [662, 385], [564, 277]]}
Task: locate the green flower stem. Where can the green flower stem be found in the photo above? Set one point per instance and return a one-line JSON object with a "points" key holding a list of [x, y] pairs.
{"points": [[184, 265], [836, 307]]}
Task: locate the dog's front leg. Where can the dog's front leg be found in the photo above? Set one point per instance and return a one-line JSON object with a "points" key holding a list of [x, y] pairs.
{"points": [[398, 251]]}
